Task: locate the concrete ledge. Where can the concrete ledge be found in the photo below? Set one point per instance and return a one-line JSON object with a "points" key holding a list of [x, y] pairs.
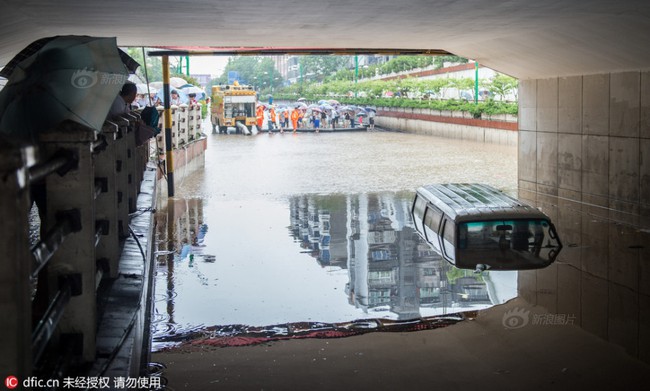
{"points": [[122, 335], [457, 128]]}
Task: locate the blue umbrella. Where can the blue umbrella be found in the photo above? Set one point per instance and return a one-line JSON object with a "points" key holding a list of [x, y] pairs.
{"points": [[183, 97]]}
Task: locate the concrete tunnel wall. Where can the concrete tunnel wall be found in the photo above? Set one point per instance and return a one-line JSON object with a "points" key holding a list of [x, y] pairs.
{"points": [[584, 150]]}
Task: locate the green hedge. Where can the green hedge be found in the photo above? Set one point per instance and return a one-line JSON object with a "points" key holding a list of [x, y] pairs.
{"points": [[489, 107]]}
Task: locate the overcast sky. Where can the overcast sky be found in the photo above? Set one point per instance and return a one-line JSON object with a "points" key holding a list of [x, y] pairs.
{"points": [[212, 65]]}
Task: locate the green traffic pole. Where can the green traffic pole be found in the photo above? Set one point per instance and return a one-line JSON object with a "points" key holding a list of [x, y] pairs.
{"points": [[476, 82], [187, 65], [356, 73]]}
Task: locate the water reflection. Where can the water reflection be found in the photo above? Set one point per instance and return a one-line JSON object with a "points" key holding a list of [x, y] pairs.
{"points": [[345, 258], [391, 270]]}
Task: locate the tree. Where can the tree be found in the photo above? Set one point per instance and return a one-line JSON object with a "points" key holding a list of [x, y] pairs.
{"points": [[502, 85], [322, 66], [255, 70], [440, 61], [153, 64]]}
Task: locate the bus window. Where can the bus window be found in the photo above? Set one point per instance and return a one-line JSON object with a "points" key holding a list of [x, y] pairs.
{"points": [[419, 206], [448, 239], [520, 243], [432, 219]]}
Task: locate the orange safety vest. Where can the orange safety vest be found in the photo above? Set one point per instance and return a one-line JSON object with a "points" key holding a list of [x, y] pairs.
{"points": [[272, 112], [260, 116]]}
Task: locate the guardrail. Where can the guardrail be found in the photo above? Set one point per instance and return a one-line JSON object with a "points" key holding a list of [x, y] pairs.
{"points": [[85, 184], [186, 125]]}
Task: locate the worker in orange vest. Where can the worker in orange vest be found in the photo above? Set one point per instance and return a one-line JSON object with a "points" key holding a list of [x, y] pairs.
{"points": [[260, 116], [272, 118], [295, 115]]}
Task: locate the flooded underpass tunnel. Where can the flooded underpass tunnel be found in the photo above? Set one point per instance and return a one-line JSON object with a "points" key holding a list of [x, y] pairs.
{"points": [[287, 237]]}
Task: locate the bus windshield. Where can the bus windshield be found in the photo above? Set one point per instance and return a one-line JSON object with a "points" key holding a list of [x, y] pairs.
{"points": [[508, 244]]}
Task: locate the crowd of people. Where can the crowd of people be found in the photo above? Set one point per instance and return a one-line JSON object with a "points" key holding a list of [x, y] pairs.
{"points": [[290, 118]]}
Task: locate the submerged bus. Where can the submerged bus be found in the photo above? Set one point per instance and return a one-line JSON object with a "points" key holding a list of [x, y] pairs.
{"points": [[475, 226]]}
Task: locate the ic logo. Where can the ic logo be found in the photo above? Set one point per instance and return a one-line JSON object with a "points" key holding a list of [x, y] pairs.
{"points": [[11, 382]]}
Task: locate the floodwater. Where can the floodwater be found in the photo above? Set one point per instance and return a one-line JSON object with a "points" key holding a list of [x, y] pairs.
{"points": [[283, 228]]}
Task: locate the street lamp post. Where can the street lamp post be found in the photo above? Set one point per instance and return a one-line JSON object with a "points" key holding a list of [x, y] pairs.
{"points": [[475, 82], [356, 73]]}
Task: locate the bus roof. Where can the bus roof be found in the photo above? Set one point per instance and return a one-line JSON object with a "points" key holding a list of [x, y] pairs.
{"points": [[475, 202]]}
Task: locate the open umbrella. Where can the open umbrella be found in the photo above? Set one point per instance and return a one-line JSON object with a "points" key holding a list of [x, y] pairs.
{"points": [[200, 94], [68, 78], [142, 89], [156, 84], [333, 102], [192, 90], [370, 109], [177, 82], [36, 46], [300, 105], [302, 99]]}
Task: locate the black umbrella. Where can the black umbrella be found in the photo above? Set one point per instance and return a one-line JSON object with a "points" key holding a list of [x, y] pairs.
{"points": [[31, 49], [68, 78]]}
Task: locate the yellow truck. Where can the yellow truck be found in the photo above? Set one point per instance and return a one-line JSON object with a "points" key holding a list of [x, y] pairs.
{"points": [[233, 106]]}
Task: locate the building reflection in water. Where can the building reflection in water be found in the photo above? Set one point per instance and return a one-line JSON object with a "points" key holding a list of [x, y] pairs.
{"points": [[180, 232], [390, 268]]}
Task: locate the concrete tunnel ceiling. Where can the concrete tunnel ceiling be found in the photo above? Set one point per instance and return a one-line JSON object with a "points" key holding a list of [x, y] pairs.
{"points": [[528, 39]]}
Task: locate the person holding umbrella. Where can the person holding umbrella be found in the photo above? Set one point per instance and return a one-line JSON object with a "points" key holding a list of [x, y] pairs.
{"points": [[371, 119], [175, 98], [272, 118], [284, 120], [335, 118], [122, 103], [316, 118]]}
